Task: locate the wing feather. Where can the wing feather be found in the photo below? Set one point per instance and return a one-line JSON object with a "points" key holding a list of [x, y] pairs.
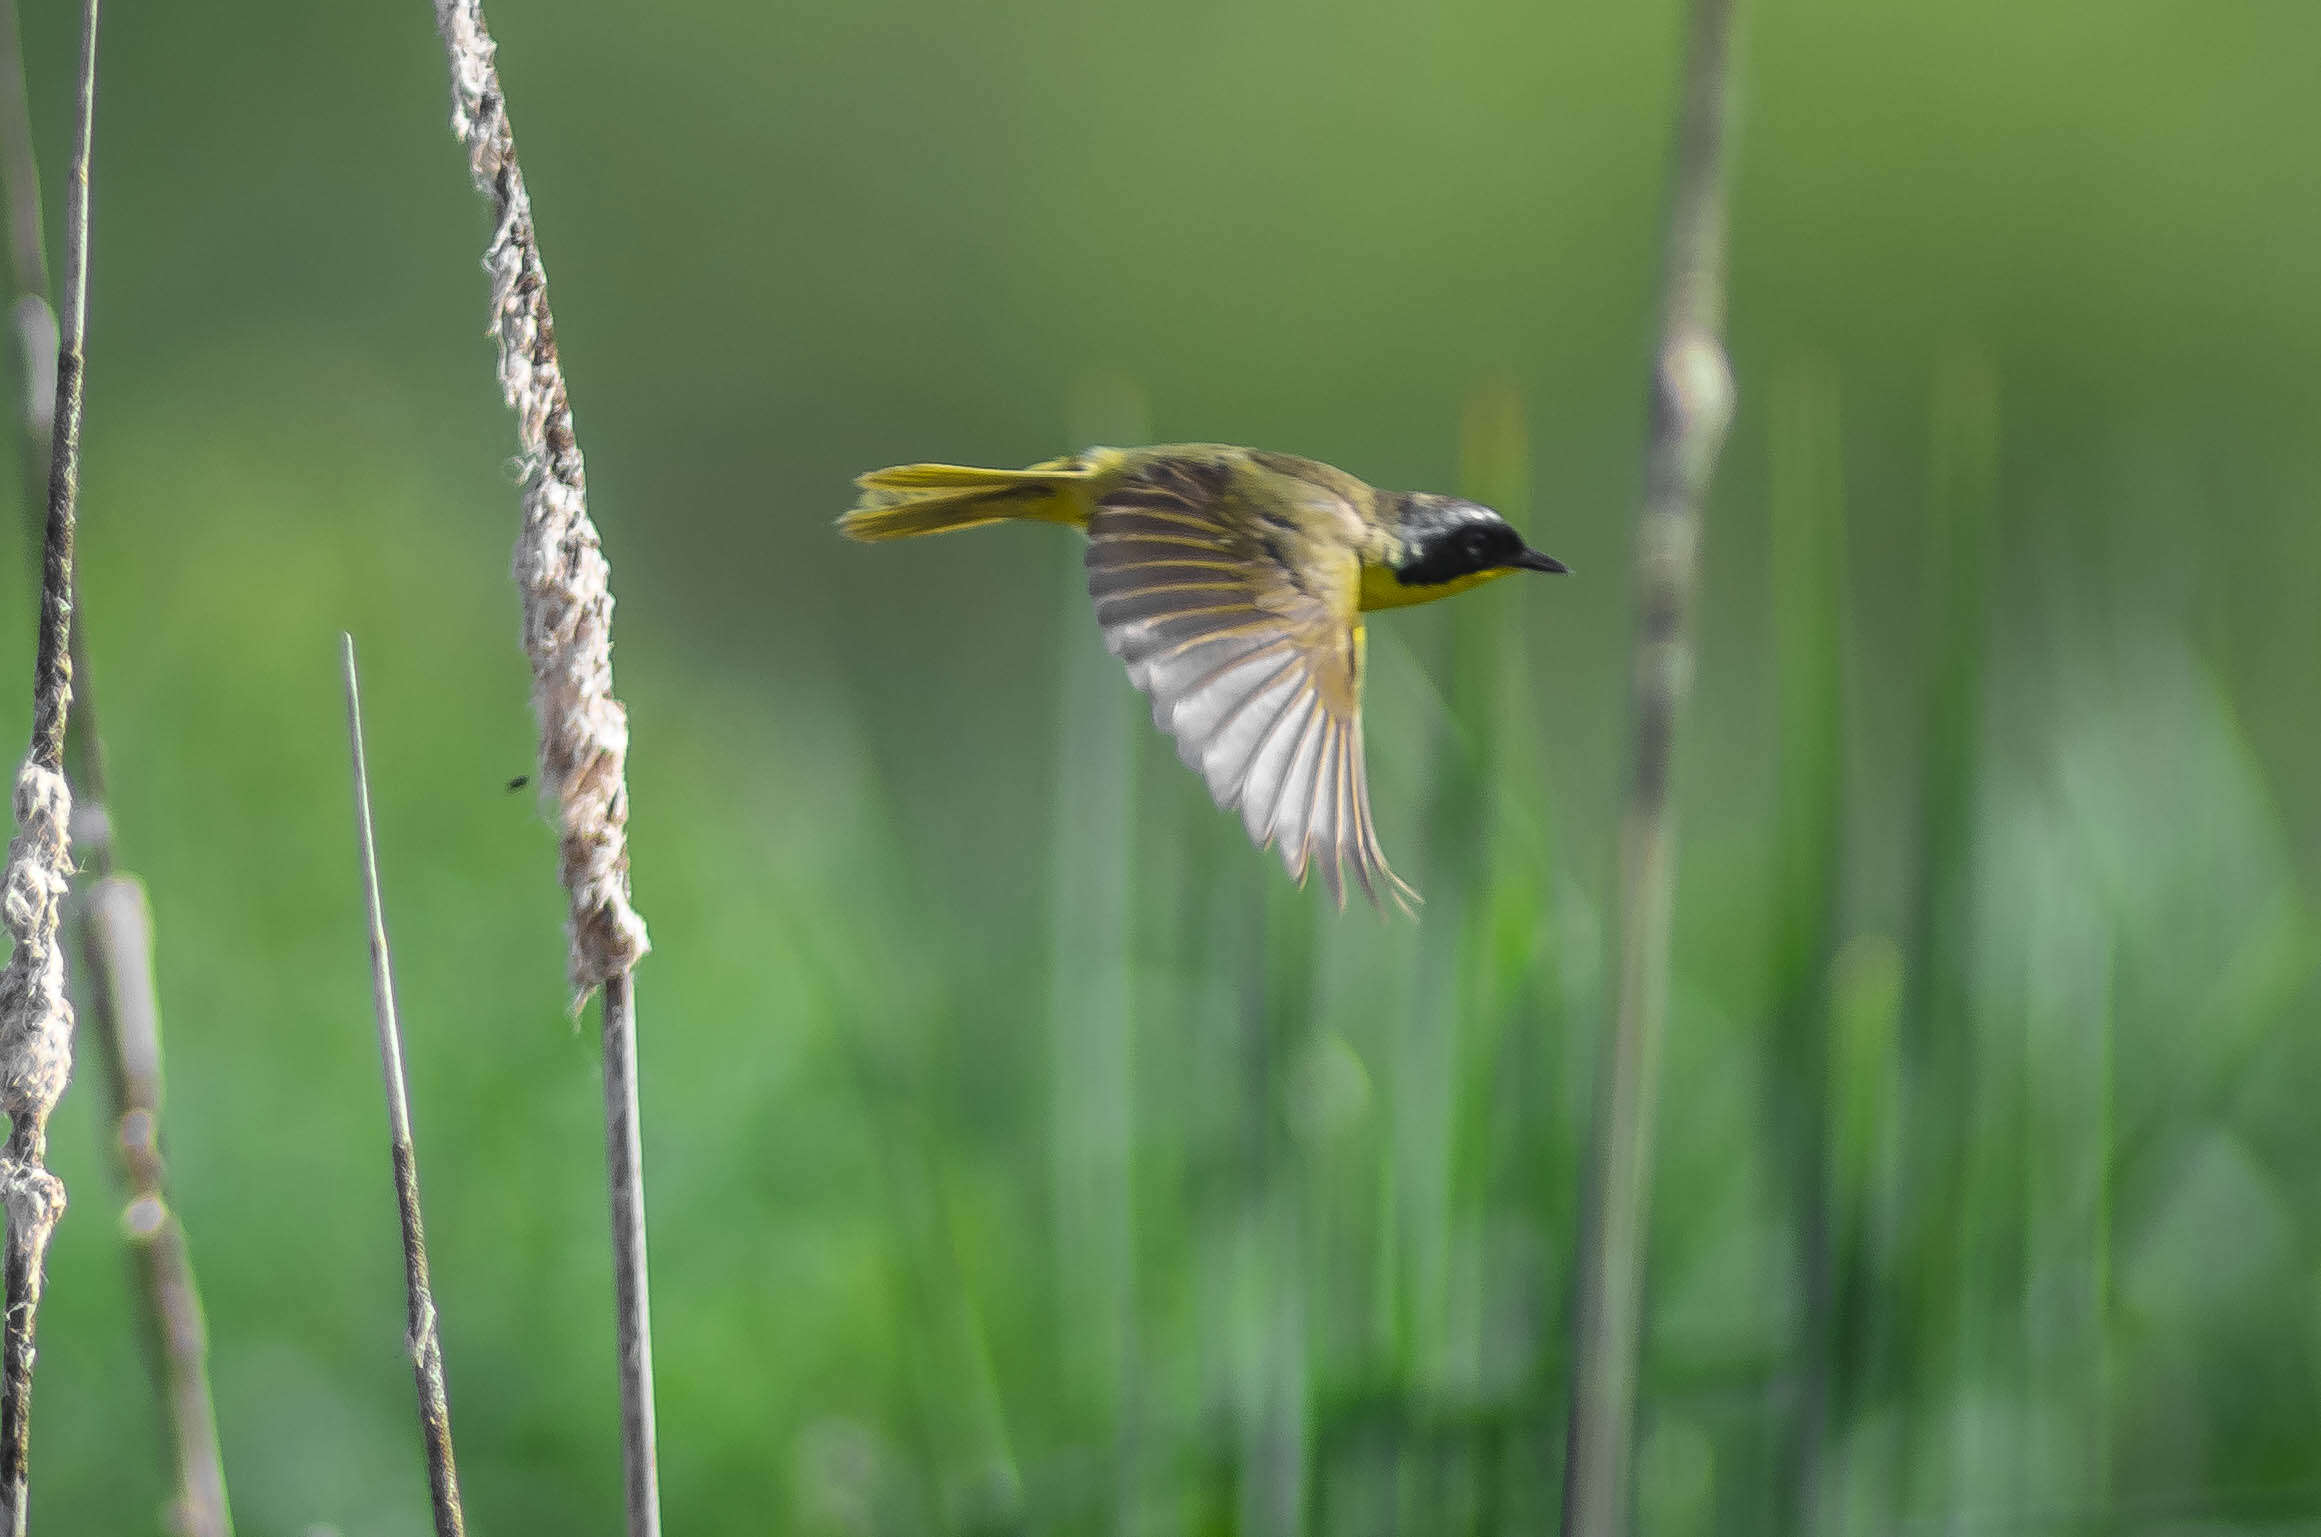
{"points": [[1146, 549], [1161, 541], [1202, 581], [1160, 523], [1240, 618], [1172, 662], [1330, 829], [1261, 791], [1200, 715], [1225, 758], [1167, 603], [1377, 879], [1301, 789]]}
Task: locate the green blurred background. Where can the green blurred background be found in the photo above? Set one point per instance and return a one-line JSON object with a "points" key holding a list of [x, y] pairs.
{"points": [[1025, 1154]]}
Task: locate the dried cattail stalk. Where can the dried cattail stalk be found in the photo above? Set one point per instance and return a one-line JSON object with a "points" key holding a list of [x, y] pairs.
{"points": [[112, 925], [35, 1020], [560, 565], [584, 733]]}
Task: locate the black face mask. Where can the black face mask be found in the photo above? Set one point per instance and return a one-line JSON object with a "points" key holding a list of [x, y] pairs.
{"points": [[1463, 550]]}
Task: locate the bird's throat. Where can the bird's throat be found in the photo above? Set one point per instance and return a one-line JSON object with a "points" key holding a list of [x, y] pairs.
{"points": [[1382, 589]]}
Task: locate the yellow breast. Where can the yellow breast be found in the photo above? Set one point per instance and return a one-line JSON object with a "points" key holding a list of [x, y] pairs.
{"points": [[1381, 590]]}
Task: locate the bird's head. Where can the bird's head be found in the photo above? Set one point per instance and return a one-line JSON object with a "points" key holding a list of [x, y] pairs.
{"points": [[1446, 542]]}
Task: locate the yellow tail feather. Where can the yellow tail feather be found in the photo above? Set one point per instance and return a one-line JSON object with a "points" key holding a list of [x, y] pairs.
{"points": [[907, 500]]}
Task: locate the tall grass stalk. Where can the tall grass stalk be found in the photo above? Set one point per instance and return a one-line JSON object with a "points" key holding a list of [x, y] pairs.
{"points": [[1469, 1026], [112, 922], [1863, 1123], [1091, 1004], [584, 731], [1526, 1084], [1691, 401], [1531, 1121], [1930, 1287], [422, 1338], [1274, 1369], [2063, 1324], [36, 1022], [1808, 540], [977, 1484], [1451, 1035]]}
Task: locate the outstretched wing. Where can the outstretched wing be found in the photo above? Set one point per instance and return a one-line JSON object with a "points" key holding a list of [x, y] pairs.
{"points": [[1241, 621]]}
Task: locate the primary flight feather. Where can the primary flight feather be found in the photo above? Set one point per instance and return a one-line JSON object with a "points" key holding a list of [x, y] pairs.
{"points": [[1232, 582]]}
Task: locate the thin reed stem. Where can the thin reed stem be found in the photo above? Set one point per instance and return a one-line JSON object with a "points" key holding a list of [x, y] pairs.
{"points": [[1808, 547], [426, 1343], [112, 923], [35, 1020], [33, 341], [32, 328], [584, 733], [624, 1167], [1092, 998], [1692, 402], [116, 943], [1939, 1028]]}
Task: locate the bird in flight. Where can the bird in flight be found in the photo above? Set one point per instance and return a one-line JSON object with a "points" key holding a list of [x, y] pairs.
{"points": [[1233, 582]]}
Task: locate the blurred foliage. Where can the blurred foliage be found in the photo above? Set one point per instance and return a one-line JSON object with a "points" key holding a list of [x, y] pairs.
{"points": [[1024, 1154]]}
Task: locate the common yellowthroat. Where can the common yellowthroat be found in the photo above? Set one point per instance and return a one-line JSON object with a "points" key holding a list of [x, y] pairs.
{"points": [[1233, 583]]}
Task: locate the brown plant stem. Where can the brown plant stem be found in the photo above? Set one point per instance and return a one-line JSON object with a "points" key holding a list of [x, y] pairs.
{"points": [[35, 1019], [566, 586], [425, 1342], [624, 1166], [1691, 405], [112, 925], [116, 943]]}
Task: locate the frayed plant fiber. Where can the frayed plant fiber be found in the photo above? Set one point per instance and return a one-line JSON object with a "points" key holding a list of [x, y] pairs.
{"points": [[36, 1022], [559, 563]]}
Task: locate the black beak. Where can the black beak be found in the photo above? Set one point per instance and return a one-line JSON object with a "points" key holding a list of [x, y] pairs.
{"points": [[1532, 560]]}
